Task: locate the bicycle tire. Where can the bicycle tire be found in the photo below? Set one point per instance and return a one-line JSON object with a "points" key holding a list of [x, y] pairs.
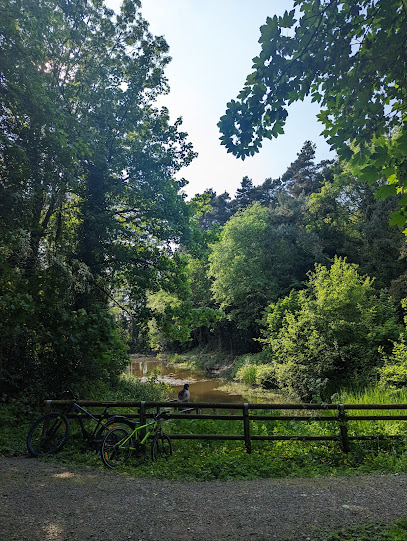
{"points": [[48, 434], [113, 453], [112, 422], [161, 447]]}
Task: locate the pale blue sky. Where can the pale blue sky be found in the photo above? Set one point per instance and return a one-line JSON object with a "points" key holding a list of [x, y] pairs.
{"points": [[212, 44]]}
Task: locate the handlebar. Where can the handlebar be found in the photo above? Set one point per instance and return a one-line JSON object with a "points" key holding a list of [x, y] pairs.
{"points": [[162, 415]]}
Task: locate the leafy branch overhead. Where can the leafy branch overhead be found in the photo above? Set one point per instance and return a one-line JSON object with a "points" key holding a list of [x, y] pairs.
{"points": [[351, 57]]}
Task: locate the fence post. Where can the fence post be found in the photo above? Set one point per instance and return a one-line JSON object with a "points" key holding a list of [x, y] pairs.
{"points": [[246, 426], [143, 418], [47, 407], [343, 429]]}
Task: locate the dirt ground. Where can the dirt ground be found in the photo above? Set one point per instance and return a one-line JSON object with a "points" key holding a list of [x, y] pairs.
{"points": [[42, 501]]}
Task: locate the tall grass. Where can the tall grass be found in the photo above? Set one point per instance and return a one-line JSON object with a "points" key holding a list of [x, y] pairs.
{"points": [[372, 395], [207, 460], [376, 395]]}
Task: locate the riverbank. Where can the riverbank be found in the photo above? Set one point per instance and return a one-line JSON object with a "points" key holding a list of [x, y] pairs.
{"points": [[47, 501], [220, 367], [206, 384]]}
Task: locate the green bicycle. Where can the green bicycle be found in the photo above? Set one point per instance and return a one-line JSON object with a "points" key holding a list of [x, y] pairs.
{"points": [[119, 444]]}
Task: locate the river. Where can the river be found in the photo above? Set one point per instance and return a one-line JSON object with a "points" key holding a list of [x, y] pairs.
{"points": [[203, 388]]}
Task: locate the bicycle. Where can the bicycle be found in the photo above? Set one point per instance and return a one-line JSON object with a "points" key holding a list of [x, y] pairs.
{"points": [[50, 432], [119, 444]]}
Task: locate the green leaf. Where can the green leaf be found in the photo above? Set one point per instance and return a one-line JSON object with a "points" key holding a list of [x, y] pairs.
{"points": [[388, 190], [368, 174], [397, 218]]}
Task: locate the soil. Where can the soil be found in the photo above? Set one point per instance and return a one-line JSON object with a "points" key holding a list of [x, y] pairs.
{"points": [[47, 501]]}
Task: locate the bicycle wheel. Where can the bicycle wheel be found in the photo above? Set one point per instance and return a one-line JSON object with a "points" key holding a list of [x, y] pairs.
{"points": [[161, 447], [48, 434], [112, 422], [116, 448]]}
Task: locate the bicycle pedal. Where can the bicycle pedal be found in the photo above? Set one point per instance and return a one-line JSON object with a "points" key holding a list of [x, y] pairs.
{"points": [[140, 450]]}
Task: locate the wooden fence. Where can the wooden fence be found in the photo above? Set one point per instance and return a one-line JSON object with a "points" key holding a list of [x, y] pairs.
{"points": [[341, 414]]}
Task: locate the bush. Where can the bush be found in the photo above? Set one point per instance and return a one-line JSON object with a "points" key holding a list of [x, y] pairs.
{"points": [[331, 332], [252, 370], [394, 372]]}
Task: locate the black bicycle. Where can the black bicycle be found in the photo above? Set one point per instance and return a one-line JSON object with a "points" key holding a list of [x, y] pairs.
{"points": [[50, 432]]}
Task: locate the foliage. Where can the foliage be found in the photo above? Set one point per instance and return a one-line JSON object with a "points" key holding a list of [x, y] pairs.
{"points": [[238, 263], [259, 256], [202, 358], [394, 372], [330, 332], [90, 210], [211, 460], [350, 222], [312, 214], [176, 320], [376, 394], [303, 176], [211, 209], [350, 57], [18, 414], [254, 370]]}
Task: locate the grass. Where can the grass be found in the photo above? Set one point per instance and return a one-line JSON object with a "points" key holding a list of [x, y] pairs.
{"points": [[206, 460], [223, 460], [368, 532], [372, 395], [227, 460]]}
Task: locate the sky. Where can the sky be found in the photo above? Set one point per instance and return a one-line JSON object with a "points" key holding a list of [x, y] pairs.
{"points": [[212, 44]]}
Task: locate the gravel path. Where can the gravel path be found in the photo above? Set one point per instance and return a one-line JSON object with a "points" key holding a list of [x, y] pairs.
{"points": [[40, 501]]}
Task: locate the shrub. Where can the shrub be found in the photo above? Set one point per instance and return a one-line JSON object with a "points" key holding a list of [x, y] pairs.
{"points": [[251, 370], [331, 332], [394, 372]]}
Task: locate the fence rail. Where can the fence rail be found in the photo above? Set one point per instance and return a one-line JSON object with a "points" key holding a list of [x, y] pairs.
{"points": [[193, 411]]}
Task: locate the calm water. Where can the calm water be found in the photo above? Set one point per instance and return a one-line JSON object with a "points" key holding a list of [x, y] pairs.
{"points": [[203, 388]]}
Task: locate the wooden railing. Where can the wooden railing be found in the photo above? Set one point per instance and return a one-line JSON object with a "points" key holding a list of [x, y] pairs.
{"points": [[338, 413]]}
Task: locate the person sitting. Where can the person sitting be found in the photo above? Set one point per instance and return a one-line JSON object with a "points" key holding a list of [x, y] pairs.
{"points": [[183, 395]]}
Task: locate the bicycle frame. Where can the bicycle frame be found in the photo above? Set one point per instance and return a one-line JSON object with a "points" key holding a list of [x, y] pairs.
{"points": [[50, 432], [80, 412], [120, 442], [155, 427]]}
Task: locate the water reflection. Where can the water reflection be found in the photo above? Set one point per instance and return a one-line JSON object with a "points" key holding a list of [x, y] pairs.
{"points": [[203, 388]]}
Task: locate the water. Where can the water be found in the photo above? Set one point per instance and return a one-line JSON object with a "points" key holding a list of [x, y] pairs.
{"points": [[203, 388]]}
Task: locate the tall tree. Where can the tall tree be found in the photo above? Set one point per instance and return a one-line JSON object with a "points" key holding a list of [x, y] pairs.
{"points": [[352, 223], [304, 176], [351, 58], [90, 162], [261, 255]]}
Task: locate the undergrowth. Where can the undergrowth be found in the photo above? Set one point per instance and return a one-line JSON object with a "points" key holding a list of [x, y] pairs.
{"points": [[208, 460], [203, 460]]}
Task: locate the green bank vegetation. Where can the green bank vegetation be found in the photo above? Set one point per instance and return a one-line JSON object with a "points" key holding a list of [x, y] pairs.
{"points": [[219, 460]]}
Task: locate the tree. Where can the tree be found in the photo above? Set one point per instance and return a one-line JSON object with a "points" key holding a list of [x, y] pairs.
{"points": [[352, 223], [244, 194], [303, 176], [324, 336], [260, 256], [90, 163], [211, 210], [351, 58]]}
